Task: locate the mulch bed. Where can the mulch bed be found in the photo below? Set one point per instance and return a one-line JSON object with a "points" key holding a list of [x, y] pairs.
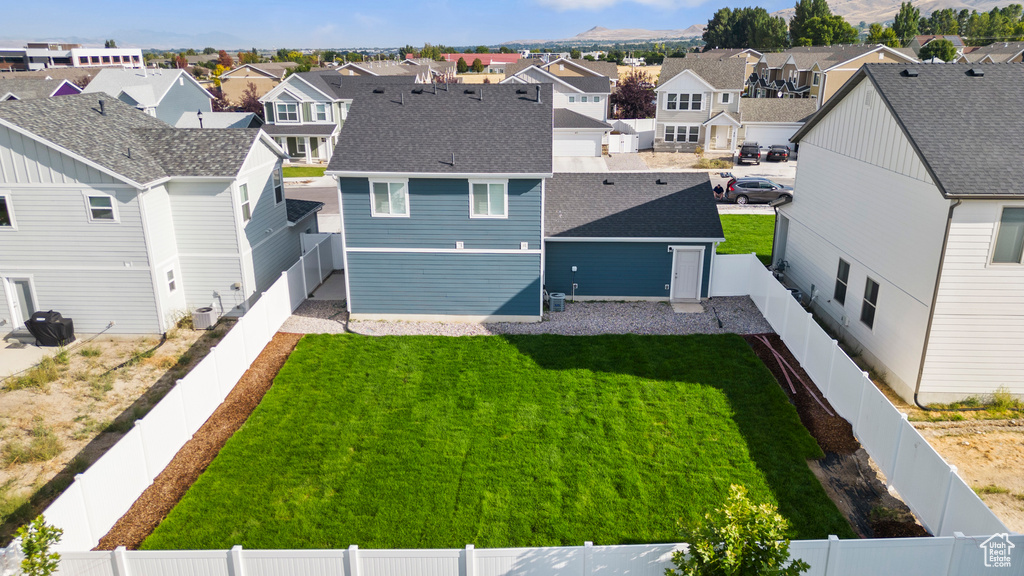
{"points": [[157, 501], [845, 472]]}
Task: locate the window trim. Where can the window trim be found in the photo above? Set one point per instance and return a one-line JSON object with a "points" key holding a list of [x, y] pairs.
{"points": [[279, 119], [815, 78], [5, 195], [86, 195], [277, 180], [171, 280], [316, 112], [724, 98], [995, 239], [572, 99], [373, 206], [845, 282], [865, 303], [242, 204], [675, 133], [504, 215]]}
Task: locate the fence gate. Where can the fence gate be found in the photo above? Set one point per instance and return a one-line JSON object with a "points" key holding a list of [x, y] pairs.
{"points": [[623, 143]]}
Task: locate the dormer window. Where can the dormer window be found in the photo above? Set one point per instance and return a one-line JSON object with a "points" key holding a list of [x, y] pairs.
{"points": [[320, 112], [287, 112]]}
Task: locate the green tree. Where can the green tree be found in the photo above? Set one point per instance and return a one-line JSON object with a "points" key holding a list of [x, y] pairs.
{"points": [[746, 28], [738, 539], [827, 31], [804, 10], [588, 58], [939, 48], [36, 539], [353, 57], [478, 65], [190, 52], [483, 50], [209, 50], [906, 23], [574, 54], [461, 66], [505, 50], [878, 34], [110, 44]]}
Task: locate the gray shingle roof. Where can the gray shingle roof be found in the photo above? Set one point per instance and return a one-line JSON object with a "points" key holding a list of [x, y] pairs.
{"points": [[565, 118], [416, 130], [128, 142], [777, 109], [723, 74], [608, 69], [299, 209], [580, 205], [589, 84], [26, 88], [300, 129], [147, 87], [963, 126], [342, 87]]}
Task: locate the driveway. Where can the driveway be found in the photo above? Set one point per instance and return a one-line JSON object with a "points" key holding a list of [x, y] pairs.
{"points": [[626, 163], [579, 164], [329, 217]]}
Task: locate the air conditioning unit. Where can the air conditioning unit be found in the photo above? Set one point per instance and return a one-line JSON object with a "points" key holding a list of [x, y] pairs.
{"points": [[204, 318]]}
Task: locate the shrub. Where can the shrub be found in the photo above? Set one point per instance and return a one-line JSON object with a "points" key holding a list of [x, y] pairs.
{"points": [[1002, 399], [36, 539], [738, 538], [699, 151]]}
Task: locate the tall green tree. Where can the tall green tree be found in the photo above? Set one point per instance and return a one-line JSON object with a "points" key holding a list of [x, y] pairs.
{"points": [[745, 28], [804, 10], [505, 50], [483, 50], [478, 65], [906, 23], [461, 66], [574, 54], [878, 34], [826, 31], [939, 48], [110, 44]]}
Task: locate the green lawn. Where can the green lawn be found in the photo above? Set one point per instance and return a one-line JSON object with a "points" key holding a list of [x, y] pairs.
{"points": [[303, 171], [432, 442], [746, 233]]}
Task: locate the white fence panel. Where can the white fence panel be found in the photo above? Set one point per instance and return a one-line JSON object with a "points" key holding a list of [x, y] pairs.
{"points": [[759, 282], [410, 562], [254, 331], [68, 512], [296, 284], [798, 323], [529, 561], [891, 556], [878, 427], [818, 363], [307, 241], [337, 249], [293, 562], [85, 564], [231, 362], [311, 268], [731, 275], [968, 514], [278, 304], [969, 557], [111, 485], [200, 393], [643, 127], [921, 477], [814, 552], [847, 387], [649, 560], [326, 259], [164, 431], [779, 300], [174, 563]]}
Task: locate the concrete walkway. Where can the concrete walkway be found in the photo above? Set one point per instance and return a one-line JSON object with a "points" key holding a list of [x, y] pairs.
{"points": [[626, 163], [16, 356]]}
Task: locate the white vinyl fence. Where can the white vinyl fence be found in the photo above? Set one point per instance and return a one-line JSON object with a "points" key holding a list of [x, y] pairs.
{"points": [[97, 498], [932, 488], [642, 127]]}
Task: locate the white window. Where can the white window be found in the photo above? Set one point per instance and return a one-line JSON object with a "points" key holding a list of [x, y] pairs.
{"points": [[171, 284], [815, 78], [320, 112], [278, 186], [583, 98], [287, 112], [867, 309], [572, 99], [842, 279], [389, 198], [597, 98], [681, 133], [101, 207], [671, 101], [488, 199], [725, 97], [1010, 237], [243, 196], [7, 213], [684, 102]]}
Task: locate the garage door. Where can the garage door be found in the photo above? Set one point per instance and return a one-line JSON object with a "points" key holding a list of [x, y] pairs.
{"points": [[577, 145], [769, 134]]}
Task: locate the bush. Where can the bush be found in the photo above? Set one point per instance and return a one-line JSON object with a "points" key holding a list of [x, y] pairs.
{"points": [[738, 538], [36, 539]]}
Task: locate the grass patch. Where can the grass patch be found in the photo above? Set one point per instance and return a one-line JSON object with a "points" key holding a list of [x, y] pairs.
{"points": [[991, 489], [13, 508], [41, 375], [44, 445], [89, 352], [713, 163], [431, 442], [746, 233], [303, 171], [1001, 404]]}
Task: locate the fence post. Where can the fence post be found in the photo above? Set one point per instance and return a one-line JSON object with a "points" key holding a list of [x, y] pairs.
{"points": [[319, 269], [891, 473], [957, 555], [235, 561], [588, 558], [145, 461], [945, 501], [470, 560], [119, 561], [302, 272], [865, 382], [785, 317], [85, 508], [831, 365], [355, 567], [832, 559], [807, 338]]}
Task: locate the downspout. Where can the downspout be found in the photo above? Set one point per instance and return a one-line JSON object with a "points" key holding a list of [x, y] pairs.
{"points": [[931, 310]]}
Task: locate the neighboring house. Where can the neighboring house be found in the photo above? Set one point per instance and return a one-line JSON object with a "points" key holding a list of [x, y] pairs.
{"points": [[996, 53], [751, 56], [909, 249], [305, 112], [29, 88], [220, 120], [45, 55], [630, 236], [699, 104], [442, 201], [77, 76], [568, 68], [164, 94], [922, 40], [581, 104], [769, 121], [424, 70], [264, 77], [493, 63], [119, 221], [829, 73]]}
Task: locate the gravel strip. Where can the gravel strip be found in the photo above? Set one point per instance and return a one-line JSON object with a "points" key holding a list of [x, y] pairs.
{"points": [[738, 315]]}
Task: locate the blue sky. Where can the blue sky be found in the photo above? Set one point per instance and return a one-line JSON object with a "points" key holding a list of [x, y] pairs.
{"points": [[267, 24]]}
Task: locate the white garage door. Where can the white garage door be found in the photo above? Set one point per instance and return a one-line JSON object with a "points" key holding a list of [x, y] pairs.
{"points": [[769, 134], [582, 144]]}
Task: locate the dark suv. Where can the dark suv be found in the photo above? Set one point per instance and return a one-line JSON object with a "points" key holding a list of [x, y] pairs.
{"points": [[777, 153], [750, 152], [755, 189]]}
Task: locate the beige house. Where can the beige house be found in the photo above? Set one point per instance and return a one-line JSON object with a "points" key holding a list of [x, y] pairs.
{"points": [[699, 104], [264, 76], [828, 75]]}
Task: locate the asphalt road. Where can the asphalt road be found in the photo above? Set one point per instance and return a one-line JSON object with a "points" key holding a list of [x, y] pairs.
{"points": [[327, 195]]}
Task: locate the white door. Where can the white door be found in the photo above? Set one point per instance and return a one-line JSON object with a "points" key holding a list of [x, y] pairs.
{"points": [[22, 300], [577, 145], [686, 274]]}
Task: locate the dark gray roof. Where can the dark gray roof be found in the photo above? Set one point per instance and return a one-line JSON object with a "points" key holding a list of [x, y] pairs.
{"points": [[299, 209], [589, 84], [565, 118], [300, 129], [962, 126], [723, 74], [342, 87], [777, 109], [26, 88], [608, 69], [128, 142], [416, 130], [581, 205]]}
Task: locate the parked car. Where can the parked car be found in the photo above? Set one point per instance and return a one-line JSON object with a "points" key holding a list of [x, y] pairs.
{"points": [[755, 189], [777, 153], [749, 152]]}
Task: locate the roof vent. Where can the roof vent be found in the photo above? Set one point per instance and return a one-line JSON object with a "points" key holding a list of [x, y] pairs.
{"points": [[103, 107], [976, 72], [660, 182], [379, 90], [910, 72], [521, 91], [469, 91], [417, 90], [609, 182]]}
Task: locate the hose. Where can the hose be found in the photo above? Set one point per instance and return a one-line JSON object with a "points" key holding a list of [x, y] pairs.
{"points": [[133, 359]]}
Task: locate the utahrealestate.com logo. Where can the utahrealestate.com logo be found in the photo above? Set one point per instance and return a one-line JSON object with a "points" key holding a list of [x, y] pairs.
{"points": [[997, 551]]}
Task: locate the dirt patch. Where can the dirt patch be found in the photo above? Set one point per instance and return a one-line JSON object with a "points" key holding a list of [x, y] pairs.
{"points": [[157, 501], [847, 474], [679, 160], [60, 424]]}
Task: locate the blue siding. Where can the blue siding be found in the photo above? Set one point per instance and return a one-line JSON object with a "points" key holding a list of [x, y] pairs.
{"points": [[439, 217], [181, 99], [458, 284], [633, 269]]}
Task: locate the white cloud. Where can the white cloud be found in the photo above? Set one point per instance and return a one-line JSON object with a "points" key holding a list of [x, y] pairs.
{"points": [[594, 5]]}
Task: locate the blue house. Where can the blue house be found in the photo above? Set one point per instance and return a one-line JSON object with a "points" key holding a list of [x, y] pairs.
{"points": [[442, 194]]}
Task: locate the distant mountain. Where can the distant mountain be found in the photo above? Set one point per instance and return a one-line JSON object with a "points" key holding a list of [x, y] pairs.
{"points": [[600, 34], [856, 11]]}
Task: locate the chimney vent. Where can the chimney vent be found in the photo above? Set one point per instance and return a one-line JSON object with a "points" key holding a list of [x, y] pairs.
{"points": [[910, 72], [103, 107], [538, 94], [379, 90], [609, 182], [976, 72]]}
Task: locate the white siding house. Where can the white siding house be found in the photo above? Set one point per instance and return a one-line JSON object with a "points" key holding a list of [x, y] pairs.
{"points": [[865, 236]]}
